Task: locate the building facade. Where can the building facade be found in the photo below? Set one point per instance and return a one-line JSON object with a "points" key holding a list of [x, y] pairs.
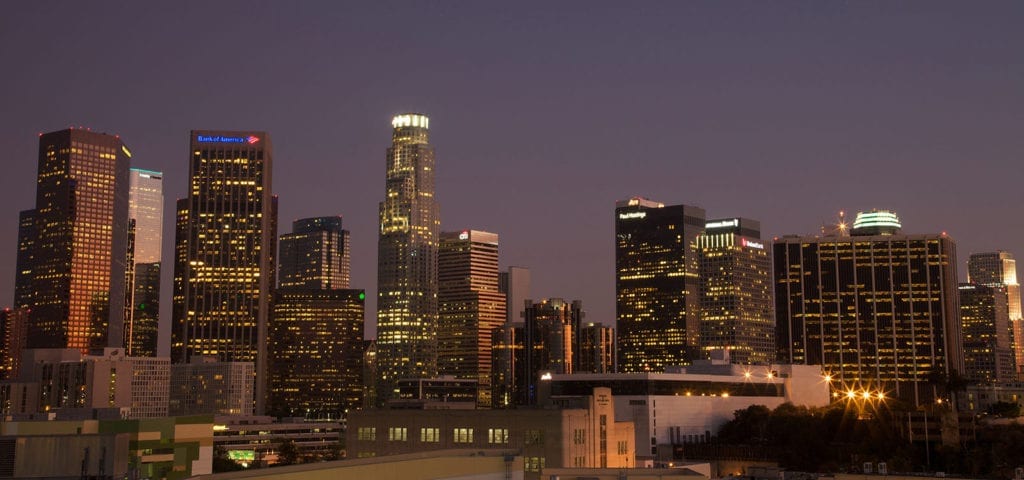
{"points": [[1000, 269], [551, 343], [316, 255], [227, 239], [76, 261], [656, 284], [985, 319], [146, 214], [407, 258], [470, 307], [597, 349], [207, 386], [23, 266], [13, 336], [875, 311], [736, 291], [316, 351], [508, 366], [515, 284]]}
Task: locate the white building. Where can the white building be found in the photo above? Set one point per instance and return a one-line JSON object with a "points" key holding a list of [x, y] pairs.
{"points": [[691, 404]]}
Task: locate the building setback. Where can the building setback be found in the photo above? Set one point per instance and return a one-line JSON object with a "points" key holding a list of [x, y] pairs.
{"points": [[736, 291], [225, 268], [407, 258], [75, 263], [878, 309], [656, 284], [470, 307]]}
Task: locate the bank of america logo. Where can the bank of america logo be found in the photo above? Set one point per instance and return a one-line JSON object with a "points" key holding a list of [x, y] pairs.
{"points": [[252, 139]]}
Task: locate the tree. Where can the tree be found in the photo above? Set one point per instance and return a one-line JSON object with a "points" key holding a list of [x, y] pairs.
{"points": [[287, 452], [221, 462]]}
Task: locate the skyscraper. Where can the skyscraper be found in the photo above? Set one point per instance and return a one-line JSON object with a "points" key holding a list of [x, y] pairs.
{"points": [[736, 291], [407, 258], [77, 257], [1000, 269], [597, 349], [988, 358], [877, 309], [146, 212], [23, 268], [656, 284], [515, 284], [316, 351], [551, 342], [315, 255], [470, 307], [225, 259], [13, 335]]}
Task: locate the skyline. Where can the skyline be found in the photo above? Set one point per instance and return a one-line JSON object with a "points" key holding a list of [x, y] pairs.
{"points": [[555, 114]]}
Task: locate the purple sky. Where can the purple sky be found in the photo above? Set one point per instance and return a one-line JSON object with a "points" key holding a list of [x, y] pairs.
{"points": [[544, 115]]}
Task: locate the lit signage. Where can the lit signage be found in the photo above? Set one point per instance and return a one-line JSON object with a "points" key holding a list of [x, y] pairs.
{"points": [[251, 139], [243, 455], [629, 215], [126, 152], [723, 223], [757, 245], [464, 236]]}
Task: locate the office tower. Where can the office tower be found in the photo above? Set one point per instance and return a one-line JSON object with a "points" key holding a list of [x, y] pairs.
{"points": [[515, 284], [407, 258], [13, 335], [1000, 269], [224, 265], [23, 268], [206, 386], [77, 258], [315, 255], [369, 373], [508, 375], [597, 349], [470, 307], [146, 215], [985, 317], [875, 311], [656, 284], [316, 351], [735, 291], [551, 340]]}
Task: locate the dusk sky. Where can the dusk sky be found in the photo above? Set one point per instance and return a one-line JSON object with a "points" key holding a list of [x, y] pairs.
{"points": [[543, 115]]}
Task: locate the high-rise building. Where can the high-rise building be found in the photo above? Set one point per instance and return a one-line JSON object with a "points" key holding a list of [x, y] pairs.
{"points": [[736, 291], [656, 284], [515, 284], [315, 255], [146, 214], [877, 309], [551, 342], [1000, 269], [316, 351], [13, 335], [508, 375], [988, 358], [224, 265], [77, 256], [23, 269], [597, 349], [407, 258], [470, 307]]}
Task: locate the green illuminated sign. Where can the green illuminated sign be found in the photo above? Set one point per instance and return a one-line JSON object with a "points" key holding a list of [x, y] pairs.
{"points": [[244, 455]]}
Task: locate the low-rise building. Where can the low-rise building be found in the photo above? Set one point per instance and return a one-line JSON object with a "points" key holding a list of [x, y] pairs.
{"points": [[256, 440], [581, 433], [691, 404], [207, 386]]}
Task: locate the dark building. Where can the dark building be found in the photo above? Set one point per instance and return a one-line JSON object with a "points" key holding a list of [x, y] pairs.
{"points": [[470, 307], [877, 311], [736, 311], [985, 317], [597, 349], [13, 335], [315, 255], [508, 375], [551, 341], [76, 260], [656, 284], [142, 332], [515, 284], [23, 268], [224, 265], [407, 258], [316, 351], [999, 269]]}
